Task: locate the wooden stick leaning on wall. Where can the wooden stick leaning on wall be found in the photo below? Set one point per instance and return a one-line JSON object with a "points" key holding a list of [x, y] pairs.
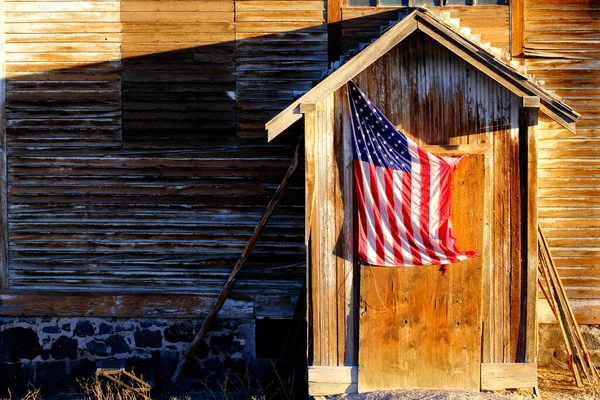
{"points": [[212, 314], [549, 280]]}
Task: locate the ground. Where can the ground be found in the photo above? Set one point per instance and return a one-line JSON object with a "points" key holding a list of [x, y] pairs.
{"points": [[555, 384]]}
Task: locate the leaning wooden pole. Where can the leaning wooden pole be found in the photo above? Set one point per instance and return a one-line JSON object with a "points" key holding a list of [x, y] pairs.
{"points": [[212, 314], [580, 359]]}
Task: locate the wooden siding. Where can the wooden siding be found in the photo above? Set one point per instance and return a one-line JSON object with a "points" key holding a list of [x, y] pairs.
{"points": [[281, 51], [125, 171], [178, 71], [62, 63], [361, 24], [562, 48]]}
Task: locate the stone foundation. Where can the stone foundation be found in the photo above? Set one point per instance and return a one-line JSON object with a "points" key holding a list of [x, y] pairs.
{"points": [[552, 350], [52, 353]]}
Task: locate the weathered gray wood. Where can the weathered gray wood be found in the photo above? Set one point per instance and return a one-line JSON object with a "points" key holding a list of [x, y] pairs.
{"points": [[214, 311]]}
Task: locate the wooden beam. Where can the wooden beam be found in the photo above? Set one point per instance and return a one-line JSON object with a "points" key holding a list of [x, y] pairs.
{"points": [[531, 102], [142, 305], [459, 149], [517, 28], [308, 107], [508, 376], [324, 381]]}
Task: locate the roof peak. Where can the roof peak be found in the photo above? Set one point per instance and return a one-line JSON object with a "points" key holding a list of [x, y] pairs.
{"points": [[448, 32]]}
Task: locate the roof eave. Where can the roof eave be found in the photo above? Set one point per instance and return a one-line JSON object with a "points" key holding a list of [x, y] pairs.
{"points": [[505, 75]]}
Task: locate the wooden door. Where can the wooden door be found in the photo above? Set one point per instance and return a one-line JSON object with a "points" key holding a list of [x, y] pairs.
{"points": [[419, 328]]}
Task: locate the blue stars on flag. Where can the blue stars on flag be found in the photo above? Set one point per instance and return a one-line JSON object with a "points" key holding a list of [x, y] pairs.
{"points": [[375, 139]]}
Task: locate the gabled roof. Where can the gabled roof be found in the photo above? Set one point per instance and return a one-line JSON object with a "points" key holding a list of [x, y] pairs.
{"points": [[465, 48]]}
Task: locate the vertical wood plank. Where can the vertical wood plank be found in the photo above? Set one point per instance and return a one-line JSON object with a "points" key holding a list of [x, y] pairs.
{"points": [[487, 266], [345, 248], [324, 274], [517, 28], [3, 171], [334, 29], [530, 295], [312, 265], [516, 256]]}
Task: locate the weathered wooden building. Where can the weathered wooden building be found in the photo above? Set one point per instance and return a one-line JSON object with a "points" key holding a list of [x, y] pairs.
{"points": [[474, 327], [135, 165]]}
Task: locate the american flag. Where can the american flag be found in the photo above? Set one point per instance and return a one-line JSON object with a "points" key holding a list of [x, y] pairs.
{"points": [[403, 193]]}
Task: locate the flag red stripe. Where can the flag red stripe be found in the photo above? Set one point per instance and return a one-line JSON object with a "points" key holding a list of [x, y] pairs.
{"points": [[389, 194], [425, 204], [445, 175], [379, 250], [406, 211], [362, 217]]}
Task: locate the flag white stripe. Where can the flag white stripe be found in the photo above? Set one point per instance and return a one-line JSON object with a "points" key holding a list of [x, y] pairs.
{"points": [[368, 198], [434, 208], [401, 225], [415, 208], [388, 241]]}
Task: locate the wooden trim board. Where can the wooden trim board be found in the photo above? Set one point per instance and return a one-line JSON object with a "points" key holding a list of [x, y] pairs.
{"points": [[324, 381], [508, 376], [147, 305]]}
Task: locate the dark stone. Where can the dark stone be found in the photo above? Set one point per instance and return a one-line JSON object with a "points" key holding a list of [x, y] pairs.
{"points": [[83, 329], [221, 343], [10, 379], [124, 328], [105, 329], [18, 343], [9, 373], [51, 329], [222, 324], [51, 376], [117, 344], [213, 366], [64, 347], [45, 319], [180, 332], [148, 338], [28, 372], [66, 327], [152, 322], [96, 348], [202, 351], [167, 362], [83, 368], [45, 354]]}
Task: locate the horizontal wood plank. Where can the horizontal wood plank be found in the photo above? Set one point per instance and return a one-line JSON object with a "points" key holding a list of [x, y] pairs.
{"points": [[508, 376]]}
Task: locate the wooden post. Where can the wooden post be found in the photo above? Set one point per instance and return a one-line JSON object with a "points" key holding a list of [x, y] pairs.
{"points": [[320, 218], [3, 173], [528, 120], [517, 28]]}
